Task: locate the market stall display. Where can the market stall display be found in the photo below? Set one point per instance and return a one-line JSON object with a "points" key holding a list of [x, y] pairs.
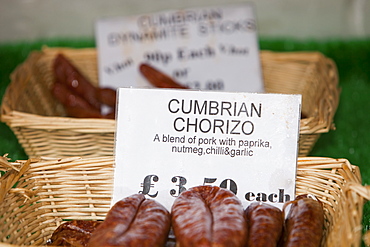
{"points": [[30, 110], [50, 191], [348, 140]]}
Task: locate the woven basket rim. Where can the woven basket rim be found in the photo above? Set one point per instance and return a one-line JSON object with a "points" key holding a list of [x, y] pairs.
{"points": [[30, 120], [41, 127], [330, 168], [310, 125]]}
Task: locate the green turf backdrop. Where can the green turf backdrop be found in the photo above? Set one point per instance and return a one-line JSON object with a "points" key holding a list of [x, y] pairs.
{"points": [[350, 140]]}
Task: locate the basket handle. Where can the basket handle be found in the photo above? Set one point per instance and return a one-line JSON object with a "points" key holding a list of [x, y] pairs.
{"points": [[11, 176]]}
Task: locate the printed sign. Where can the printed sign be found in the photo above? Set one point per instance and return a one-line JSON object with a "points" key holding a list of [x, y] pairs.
{"points": [[169, 140], [213, 48]]}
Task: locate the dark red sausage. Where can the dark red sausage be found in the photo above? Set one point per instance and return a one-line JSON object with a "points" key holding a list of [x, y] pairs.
{"points": [[304, 224], [208, 216], [157, 78], [74, 233], [265, 225], [66, 73], [74, 105], [107, 96], [133, 221]]}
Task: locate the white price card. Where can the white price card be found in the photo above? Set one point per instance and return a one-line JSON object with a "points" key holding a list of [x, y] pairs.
{"points": [[210, 48], [170, 140]]}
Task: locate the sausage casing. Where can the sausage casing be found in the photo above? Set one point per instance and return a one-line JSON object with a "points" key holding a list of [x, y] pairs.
{"points": [[208, 216], [265, 225], [304, 223], [75, 233], [74, 105], [107, 96], [66, 73], [157, 78], [133, 221]]}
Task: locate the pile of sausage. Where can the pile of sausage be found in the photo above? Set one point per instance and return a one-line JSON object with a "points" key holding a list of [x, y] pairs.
{"points": [[82, 99], [206, 216]]}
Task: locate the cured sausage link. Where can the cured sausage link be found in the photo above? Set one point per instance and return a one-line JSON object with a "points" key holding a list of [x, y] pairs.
{"points": [[208, 216], [265, 225], [133, 221], [150, 227], [75, 233], [304, 223], [229, 225], [157, 78], [74, 105], [191, 220], [107, 96], [66, 73]]}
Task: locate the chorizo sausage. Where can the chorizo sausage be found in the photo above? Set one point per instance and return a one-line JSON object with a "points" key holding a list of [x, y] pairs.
{"points": [[66, 73], [133, 221], [75, 233], [157, 78], [107, 96], [265, 224], [208, 216], [304, 223], [74, 105]]}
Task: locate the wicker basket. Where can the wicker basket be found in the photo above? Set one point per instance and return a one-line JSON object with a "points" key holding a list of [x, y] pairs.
{"points": [[49, 191], [42, 129]]}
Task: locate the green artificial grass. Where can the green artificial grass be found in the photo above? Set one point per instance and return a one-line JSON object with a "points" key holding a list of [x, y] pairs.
{"points": [[350, 140]]}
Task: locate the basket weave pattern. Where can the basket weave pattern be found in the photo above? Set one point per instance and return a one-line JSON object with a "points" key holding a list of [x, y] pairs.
{"points": [[42, 129], [49, 191]]}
